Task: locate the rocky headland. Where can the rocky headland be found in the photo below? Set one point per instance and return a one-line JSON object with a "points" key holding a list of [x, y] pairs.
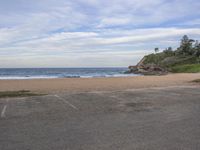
{"points": [[184, 59]]}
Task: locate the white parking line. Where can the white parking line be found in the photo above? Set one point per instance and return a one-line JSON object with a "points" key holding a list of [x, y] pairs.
{"points": [[65, 101], [3, 112]]}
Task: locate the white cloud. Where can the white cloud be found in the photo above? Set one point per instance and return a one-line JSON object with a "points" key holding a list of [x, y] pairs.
{"points": [[193, 22], [78, 31], [81, 42], [113, 22], [110, 59]]}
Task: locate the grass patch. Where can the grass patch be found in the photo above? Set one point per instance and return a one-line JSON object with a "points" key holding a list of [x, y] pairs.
{"points": [[190, 68], [23, 93], [196, 81]]}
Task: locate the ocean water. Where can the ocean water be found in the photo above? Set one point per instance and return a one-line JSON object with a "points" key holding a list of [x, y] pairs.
{"points": [[40, 73]]}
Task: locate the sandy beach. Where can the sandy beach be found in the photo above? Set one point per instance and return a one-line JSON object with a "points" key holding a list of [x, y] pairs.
{"points": [[97, 84]]}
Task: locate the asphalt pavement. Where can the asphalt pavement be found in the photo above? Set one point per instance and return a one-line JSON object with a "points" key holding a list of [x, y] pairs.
{"points": [[143, 119]]}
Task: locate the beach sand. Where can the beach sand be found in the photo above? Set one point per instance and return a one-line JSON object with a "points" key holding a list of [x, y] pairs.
{"points": [[97, 84]]}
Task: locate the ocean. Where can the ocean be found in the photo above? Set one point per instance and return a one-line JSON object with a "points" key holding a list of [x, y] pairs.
{"points": [[40, 73]]}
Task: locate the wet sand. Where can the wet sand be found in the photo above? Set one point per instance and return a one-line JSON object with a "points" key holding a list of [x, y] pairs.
{"points": [[97, 84]]}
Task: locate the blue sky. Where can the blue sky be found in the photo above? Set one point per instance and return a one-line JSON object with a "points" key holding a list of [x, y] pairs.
{"points": [[91, 33]]}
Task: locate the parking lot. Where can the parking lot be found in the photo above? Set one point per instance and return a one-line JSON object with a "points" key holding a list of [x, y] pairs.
{"points": [[142, 119]]}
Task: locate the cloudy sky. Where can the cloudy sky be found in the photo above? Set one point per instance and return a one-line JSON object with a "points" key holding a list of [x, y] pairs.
{"points": [[91, 33]]}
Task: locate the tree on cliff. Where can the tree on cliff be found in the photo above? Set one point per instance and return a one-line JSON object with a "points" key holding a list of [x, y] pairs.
{"points": [[186, 46], [156, 50], [197, 48], [169, 51]]}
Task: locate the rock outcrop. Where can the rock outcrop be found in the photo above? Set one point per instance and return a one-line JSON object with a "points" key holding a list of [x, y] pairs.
{"points": [[146, 69]]}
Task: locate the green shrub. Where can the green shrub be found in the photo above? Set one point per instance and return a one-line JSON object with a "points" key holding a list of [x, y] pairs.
{"points": [[189, 68]]}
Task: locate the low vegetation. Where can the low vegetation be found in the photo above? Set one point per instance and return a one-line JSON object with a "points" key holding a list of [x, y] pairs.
{"points": [[23, 93], [189, 68], [196, 81]]}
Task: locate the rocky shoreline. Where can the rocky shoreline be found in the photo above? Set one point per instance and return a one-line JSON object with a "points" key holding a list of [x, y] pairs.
{"points": [[147, 69]]}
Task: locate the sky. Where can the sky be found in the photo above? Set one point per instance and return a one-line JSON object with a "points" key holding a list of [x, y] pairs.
{"points": [[91, 33]]}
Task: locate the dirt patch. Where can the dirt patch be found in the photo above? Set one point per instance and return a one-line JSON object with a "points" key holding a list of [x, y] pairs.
{"points": [[196, 81]]}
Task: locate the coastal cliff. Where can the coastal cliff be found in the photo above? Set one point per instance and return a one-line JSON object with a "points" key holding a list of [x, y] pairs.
{"points": [[147, 69], [186, 58]]}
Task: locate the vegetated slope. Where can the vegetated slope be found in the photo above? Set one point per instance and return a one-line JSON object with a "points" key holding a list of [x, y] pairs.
{"points": [[186, 58]]}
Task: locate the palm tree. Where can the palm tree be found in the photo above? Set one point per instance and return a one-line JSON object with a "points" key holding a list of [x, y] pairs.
{"points": [[156, 50]]}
